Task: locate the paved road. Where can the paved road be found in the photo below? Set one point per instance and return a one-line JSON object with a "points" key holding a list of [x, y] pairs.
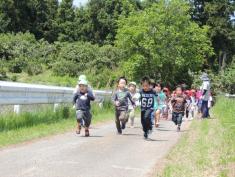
{"points": [[104, 154]]}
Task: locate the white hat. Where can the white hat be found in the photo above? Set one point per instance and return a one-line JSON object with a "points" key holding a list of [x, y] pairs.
{"points": [[132, 83], [83, 82]]}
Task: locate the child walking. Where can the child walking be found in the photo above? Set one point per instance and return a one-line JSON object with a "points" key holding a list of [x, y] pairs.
{"points": [[159, 103], [120, 100], [82, 99], [135, 97], [178, 106], [147, 95]]}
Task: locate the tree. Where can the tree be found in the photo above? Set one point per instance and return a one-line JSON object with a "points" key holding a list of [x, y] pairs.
{"points": [[217, 15], [44, 25], [163, 42], [65, 21], [97, 22], [35, 16]]}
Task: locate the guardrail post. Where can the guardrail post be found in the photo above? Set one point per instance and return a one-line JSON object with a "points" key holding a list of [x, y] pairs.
{"points": [[56, 105], [17, 109]]}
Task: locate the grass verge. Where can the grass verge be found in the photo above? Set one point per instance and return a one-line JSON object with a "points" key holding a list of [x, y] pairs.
{"points": [[28, 126], [208, 148], [45, 78]]}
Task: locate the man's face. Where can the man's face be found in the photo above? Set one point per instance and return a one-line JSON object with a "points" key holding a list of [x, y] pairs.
{"points": [[82, 88], [146, 86]]}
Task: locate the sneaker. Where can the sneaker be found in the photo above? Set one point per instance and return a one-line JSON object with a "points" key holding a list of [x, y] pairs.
{"points": [[146, 135], [119, 132], [123, 126], [87, 133]]}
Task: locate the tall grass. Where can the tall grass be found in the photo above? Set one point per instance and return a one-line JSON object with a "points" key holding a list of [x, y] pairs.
{"points": [[207, 149], [30, 125], [28, 119], [13, 121]]}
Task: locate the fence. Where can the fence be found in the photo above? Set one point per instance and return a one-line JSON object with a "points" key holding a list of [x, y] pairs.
{"points": [[17, 94]]}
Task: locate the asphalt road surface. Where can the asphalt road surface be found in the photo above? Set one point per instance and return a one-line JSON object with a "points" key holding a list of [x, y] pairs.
{"points": [[104, 154]]}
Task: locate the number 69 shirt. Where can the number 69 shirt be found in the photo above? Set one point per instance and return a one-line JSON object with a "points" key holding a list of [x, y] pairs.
{"points": [[147, 99]]}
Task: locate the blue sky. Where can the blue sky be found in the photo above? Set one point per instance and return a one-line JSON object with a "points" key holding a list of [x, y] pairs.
{"points": [[78, 2]]}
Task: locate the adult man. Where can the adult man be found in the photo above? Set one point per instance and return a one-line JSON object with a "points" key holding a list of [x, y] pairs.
{"points": [[205, 95]]}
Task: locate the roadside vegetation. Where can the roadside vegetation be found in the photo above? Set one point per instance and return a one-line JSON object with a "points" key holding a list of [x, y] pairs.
{"points": [[31, 125], [207, 149]]}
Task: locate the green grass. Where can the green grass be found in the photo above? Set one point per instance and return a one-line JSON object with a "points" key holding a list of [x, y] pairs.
{"points": [[28, 126], [208, 148], [46, 78]]}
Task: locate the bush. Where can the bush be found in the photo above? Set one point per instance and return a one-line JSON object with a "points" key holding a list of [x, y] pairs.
{"points": [[65, 67], [228, 78], [34, 68], [3, 72]]}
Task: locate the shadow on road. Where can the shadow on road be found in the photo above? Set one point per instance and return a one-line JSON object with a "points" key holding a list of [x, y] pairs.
{"points": [[150, 139], [131, 134]]}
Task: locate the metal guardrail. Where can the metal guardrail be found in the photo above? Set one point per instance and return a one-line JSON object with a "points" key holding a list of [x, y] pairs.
{"points": [[230, 95], [13, 93]]}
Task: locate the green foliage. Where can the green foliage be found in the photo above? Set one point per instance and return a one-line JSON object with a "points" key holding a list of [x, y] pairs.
{"points": [[29, 119], [35, 16], [98, 20], [217, 15], [228, 79], [23, 52], [163, 43], [65, 21], [155, 38], [224, 82], [45, 116]]}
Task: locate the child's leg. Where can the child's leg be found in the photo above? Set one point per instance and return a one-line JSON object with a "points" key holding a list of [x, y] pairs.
{"points": [[157, 118], [87, 120], [174, 117], [153, 117], [132, 117], [143, 121], [147, 116], [187, 113], [79, 115], [179, 119], [123, 117], [117, 121]]}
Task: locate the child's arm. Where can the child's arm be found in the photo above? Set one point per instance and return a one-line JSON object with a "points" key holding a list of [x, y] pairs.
{"points": [[173, 100], [75, 97], [115, 99], [130, 98], [90, 95]]}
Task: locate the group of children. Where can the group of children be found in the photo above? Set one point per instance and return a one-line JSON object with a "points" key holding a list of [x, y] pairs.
{"points": [[154, 102]]}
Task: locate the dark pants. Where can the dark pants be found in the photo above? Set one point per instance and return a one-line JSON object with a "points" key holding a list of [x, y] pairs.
{"points": [[205, 109], [177, 118], [121, 118], [146, 120], [84, 116], [187, 113]]}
